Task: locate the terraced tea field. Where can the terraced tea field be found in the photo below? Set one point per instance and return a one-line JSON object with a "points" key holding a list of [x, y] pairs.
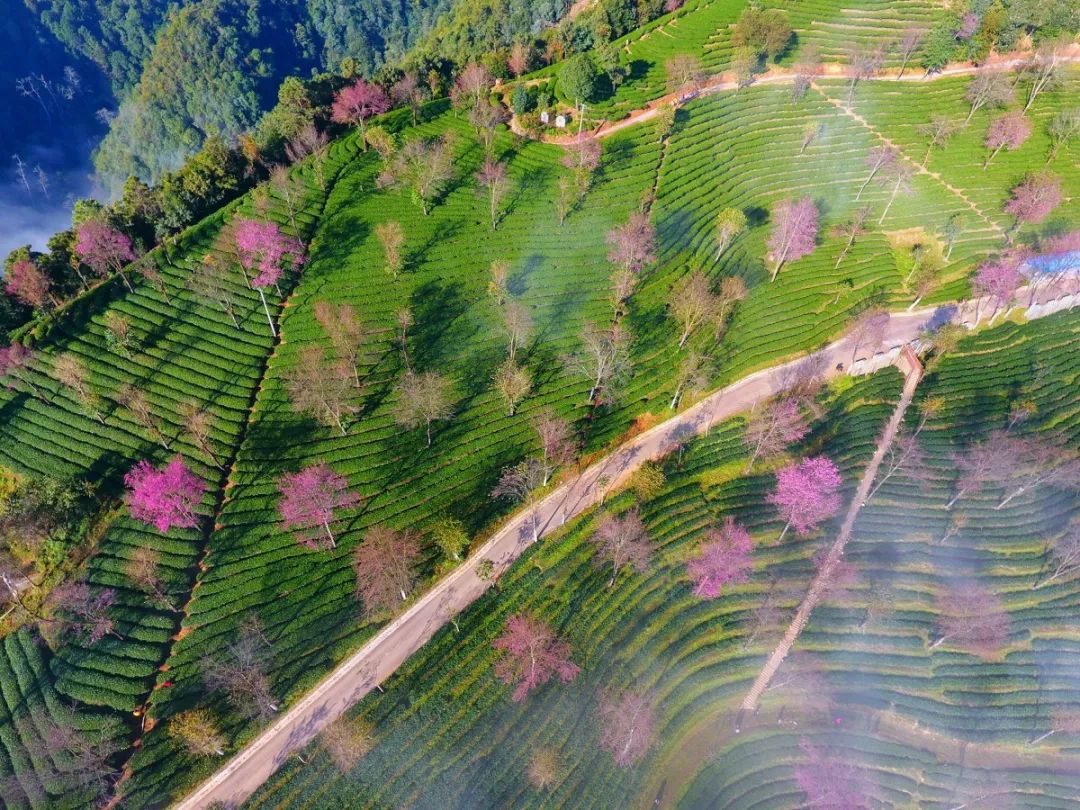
{"points": [[863, 683]]}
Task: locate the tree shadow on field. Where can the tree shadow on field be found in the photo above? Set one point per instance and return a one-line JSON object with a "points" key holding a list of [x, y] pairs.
{"points": [[444, 232], [518, 282], [671, 230], [617, 152], [531, 183], [341, 237], [107, 472], [436, 305]]}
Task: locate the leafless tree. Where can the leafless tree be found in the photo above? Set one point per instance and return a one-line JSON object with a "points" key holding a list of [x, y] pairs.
{"points": [[238, 670], [869, 329], [518, 484], [513, 382], [347, 741], [345, 332], [310, 142], [864, 61], [691, 375], [1064, 553], [423, 167], [137, 404], [692, 304], [910, 41], [852, 230], [771, 428], [972, 617], [807, 69], [557, 444], [517, 324], [198, 425], [423, 399], [938, 130], [604, 358], [83, 610], [209, 283], [321, 388], [143, 570], [622, 540], [989, 88], [71, 373], [1043, 69]]}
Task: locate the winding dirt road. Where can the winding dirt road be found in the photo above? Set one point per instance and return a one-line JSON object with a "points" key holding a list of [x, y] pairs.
{"points": [[385, 652]]}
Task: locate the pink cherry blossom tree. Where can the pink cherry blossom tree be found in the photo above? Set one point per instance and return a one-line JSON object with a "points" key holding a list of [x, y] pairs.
{"points": [[385, 565], [531, 656], [998, 280], [830, 781], [103, 249], [628, 720], [794, 233], [25, 282], [15, 365], [263, 249], [622, 540], [164, 498], [807, 494], [357, 102], [310, 500], [1009, 131], [972, 617], [1033, 198], [557, 444], [724, 559]]}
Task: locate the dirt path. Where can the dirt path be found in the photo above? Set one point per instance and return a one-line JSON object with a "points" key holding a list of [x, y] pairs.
{"points": [[387, 650], [913, 371], [721, 82]]}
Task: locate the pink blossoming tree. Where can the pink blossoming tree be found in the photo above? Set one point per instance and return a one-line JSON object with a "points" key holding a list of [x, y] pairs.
{"points": [[15, 365], [263, 249], [1033, 198], [1009, 131], [25, 282], [972, 617], [998, 280], [807, 494], [531, 656], [164, 498], [103, 249], [829, 781], [724, 559], [794, 232], [310, 500], [357, 102]]}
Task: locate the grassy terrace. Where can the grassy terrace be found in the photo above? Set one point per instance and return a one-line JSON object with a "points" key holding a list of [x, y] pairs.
{"points": [[448, 735]]}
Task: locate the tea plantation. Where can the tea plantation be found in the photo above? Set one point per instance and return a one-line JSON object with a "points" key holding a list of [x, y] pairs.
{"points": [[447, 734]]}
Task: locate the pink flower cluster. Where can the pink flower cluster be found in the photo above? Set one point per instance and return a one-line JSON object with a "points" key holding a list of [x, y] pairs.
{"points": [[262, 246], [807, 492], [164, 498]]}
